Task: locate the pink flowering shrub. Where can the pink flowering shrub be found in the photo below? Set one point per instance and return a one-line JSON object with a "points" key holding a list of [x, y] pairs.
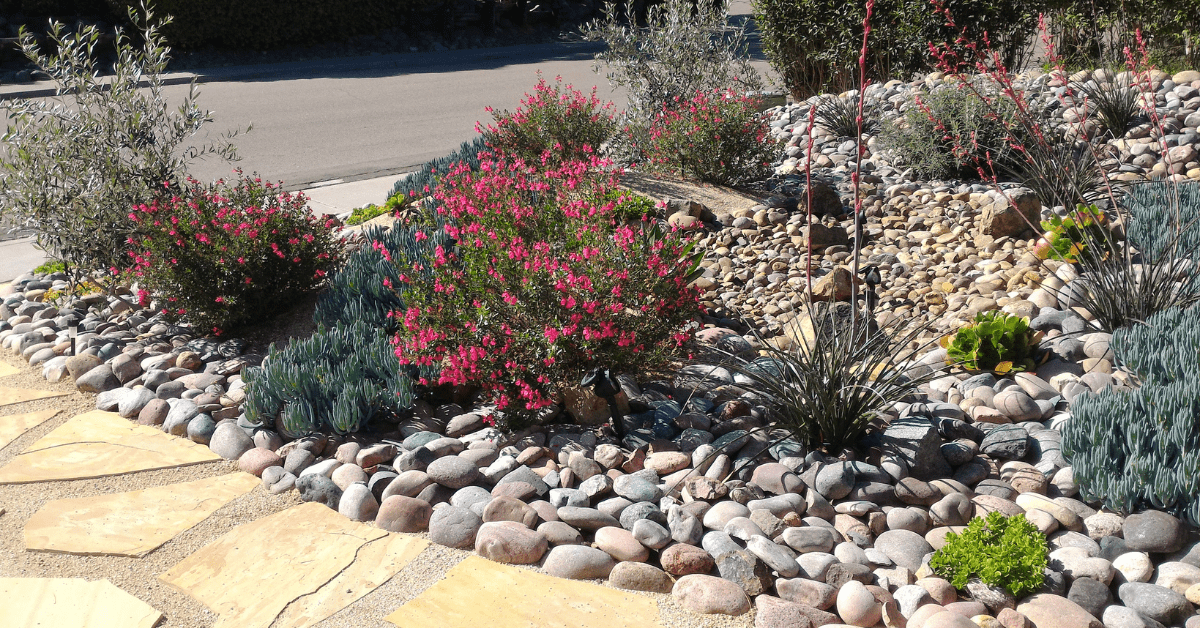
{"points": [[222, 255], [554, 125], [717, 137], [544, 284]]}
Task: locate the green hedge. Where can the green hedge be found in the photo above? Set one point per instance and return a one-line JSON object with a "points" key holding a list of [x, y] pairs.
{"points": [[261, 24], [814, 44]]}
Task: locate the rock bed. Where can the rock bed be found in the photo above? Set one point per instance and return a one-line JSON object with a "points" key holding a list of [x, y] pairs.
{"points": [[803, 538]]}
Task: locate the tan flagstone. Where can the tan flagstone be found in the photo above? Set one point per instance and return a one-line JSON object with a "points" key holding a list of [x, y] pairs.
{"points": [[375, 564], [479, 592], [249, 575], [7, 369], [13, 425], [10, 395], [71, 603], [134, 523], [99, 444]]}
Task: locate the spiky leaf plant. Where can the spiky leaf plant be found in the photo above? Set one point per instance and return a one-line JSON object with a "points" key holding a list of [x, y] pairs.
{"points": [[1153, 271], [841, 374], [1117, 107], [840, 116]]}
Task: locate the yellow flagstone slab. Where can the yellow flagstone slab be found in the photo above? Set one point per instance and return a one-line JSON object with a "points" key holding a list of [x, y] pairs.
{"points": [[479, 592], [7, 369], [71, 603], [9, 395], [14, 425], [376, 563], [249, 575], [98, 444], [133, 523]]}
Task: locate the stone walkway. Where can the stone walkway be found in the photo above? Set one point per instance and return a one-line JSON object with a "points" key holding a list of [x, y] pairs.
{"points": [[291, 569]]}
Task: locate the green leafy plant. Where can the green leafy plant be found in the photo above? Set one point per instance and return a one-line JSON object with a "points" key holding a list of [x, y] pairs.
{"points": [[392, 205], [814, 45], [50, 267], [1005, 552], [225, 254], [629, 206], [996, 342], [1064, 238], [840, 373], [74, 164]]}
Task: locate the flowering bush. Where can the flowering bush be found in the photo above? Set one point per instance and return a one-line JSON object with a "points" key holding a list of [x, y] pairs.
{"points": [[226, 253], [716, 137], [554, 125], [543, 284]]}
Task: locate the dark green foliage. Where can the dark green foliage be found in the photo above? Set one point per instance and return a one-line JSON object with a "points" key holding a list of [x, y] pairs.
{"points": [[1095, 33], [340, 377], [997, 342], [841, 374], [951, 133], [1006, 552], [1117, 107], [420, 182], [814, 45], [840, 116], [1141, 448], [260, 24]]}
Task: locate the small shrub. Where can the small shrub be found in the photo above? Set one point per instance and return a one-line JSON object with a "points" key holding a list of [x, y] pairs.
{"points": [[542, 285], [814, 45], [842, 372], [996, 342], [684, 48], [953, 133], [1005, 552], [716, 137], [556, 124], [1141, 448], [1065, 238], [74, 164], [225, 254], [840, 116], [630, 206], [392, 205], [51, 267]]}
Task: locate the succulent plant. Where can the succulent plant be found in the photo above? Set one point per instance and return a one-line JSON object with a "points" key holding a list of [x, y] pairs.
{"points": [[1067, 238], [997, 342], [1141, 448]]}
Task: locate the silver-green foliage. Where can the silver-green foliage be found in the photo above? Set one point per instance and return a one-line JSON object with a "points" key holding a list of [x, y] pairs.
{"points": [[1165, 216], [1141, 448], [341, 377], [685, 47], [75, 164]]}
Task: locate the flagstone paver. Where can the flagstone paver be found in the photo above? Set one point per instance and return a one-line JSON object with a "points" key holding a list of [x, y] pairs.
{"points": [[479, 592], [13, 425], [71, 603], [10, 395], [251, 574], [99, 444], [133, 523], [7, 369]]}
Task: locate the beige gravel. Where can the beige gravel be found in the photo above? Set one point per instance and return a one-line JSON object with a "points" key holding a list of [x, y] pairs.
{"points": [[138, 576]]}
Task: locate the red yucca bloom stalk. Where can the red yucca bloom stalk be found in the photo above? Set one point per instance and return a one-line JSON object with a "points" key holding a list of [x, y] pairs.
{"points": [[855, 176]]}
